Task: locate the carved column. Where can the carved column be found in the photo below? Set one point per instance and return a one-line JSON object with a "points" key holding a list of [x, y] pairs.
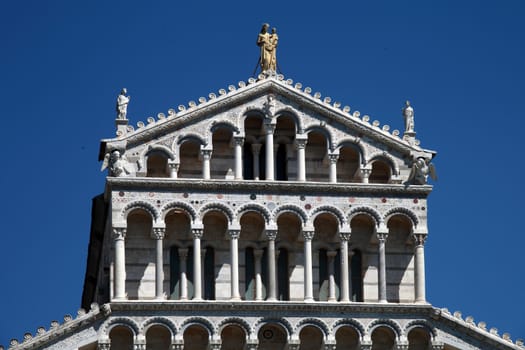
{"points": [[272, 272], [158, 235], [365, 174], [331, 278], [300, 143], [256, 150], [345, 288], [234, 264], [382, 236], [197, 279], [174, 169], [308, 276], [269, 128], [239, 142], [257, 255], [206, 156], [183, 255], [333, 157], [119, 234], [419, 268]]}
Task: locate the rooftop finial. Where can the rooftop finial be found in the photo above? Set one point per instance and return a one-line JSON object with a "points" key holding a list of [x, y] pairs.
{"points": [[268, 44]]}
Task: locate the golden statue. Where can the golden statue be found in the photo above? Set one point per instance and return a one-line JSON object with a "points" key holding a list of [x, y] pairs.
{"points": [[268, 44]]}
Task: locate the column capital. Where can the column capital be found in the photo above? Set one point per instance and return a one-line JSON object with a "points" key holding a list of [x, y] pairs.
{"points": [[333, 157], [271, 234], [331, 253], [419, 239], [437, 346], [252, 344], [238, 140], [269, 127], [173, 166], [382, 236], [234, 233], [197, 232], [206, 153], [345, 236], [258, 253], [105, 345], [300, 143], [308, 234], [256, 148], [158, 232], [119, 233], [183, 253]]}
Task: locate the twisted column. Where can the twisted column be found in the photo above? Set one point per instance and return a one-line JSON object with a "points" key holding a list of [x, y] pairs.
{"points": [[158, 235], [119, 234], [308, 278], [419, 268]]}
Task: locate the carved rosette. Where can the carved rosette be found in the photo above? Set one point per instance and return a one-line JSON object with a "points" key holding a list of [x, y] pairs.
{"points": [[158, 232], [119, 233]]}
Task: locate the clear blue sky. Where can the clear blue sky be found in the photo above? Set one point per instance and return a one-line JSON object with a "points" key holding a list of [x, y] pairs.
{"points": [[460, 63]]}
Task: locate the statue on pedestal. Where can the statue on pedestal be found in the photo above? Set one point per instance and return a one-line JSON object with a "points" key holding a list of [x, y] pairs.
{"points": [[268, 45], [408, 114], [122, 104]]}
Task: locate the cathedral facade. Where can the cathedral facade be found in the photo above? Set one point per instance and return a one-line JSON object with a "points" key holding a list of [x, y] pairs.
{"points": [[262, 217]]}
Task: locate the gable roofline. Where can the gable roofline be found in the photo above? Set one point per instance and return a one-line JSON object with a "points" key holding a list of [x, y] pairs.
{"points": [[254, 88]]}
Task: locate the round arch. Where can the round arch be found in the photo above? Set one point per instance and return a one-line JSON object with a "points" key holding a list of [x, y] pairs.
{"points": [[224, 209], [161, 149], [336, 212], [290, 208], [358, 326], [253, 207], [392, 325], [185, 207], [356, 145], [198, 321], [368, 211], [119, 321], [235, 321], [323, 327], [409, 214], [290, 112], [383, 156], [159, 321], [322, 130], [146, 206]]}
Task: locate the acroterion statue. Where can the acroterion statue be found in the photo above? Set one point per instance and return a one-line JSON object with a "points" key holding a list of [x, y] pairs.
{"points": [[408, 114], [268, 45], [122, 104]]}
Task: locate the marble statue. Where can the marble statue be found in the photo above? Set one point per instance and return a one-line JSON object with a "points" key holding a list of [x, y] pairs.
{"points": [[115, 163], [122, 104], [268, 45], [421, 169], [408, 114]]}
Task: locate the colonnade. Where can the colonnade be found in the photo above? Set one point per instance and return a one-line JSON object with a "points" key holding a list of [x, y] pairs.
{"points": [[119, 234]]}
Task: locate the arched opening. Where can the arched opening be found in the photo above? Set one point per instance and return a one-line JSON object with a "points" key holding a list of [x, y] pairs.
{"points": [[215, 237], [121, 337], [252, 228], [178, 240], [283, 278], [196, 338], [190, 160], [348, 164], [399, 258], [383, 338], [222, 159], [253, 148], [363, 266], [419, 339], [356, 269], [272, 337], [140, 273], [346, 338], [290, 250], [284, 134], [381, 172], [157, 165], [317, 165], [311, 338], [329, 263], [233, 338], [158, 338]]}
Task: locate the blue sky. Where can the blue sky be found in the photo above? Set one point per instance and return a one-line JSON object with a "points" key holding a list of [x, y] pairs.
{"points": [[460, 63]]}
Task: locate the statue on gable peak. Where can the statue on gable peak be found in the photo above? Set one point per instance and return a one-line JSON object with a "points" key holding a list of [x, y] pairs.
{"points": [[122, 104], [408, 114], [268, 46]]}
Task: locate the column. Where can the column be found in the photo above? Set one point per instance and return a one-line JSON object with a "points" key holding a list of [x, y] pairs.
{"points": [[275, 150], [239, 142], [256, 149], [300, 143], [419, 268], [272, 272], [158, 235], [308, 278], [257, 255], [333, 157], [345, 288], [183, 255], [197, 279], [119, 234], [234, 264], [269, 128], [331, 278], [365, 174], [206, 156], [382, 236], [174, 169]]}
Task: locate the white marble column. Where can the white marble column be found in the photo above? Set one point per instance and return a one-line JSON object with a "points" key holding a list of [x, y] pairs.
{"points": [[158, 235], [239, 142], [183, 256], [257, 257], [174, 169], [300, 144], [419, 268], [234, 263], [269, 128], [119, 235], [272, 271], [365, 174], [256, 150], [345, 285], [381, 237], [308, 275], [197, 270], [333, 157], [331, 277], [206, 157]]}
